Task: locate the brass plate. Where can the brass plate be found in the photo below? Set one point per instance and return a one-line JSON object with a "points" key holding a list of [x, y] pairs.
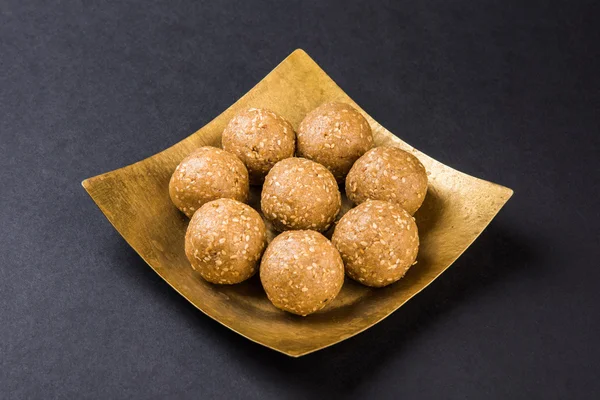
{"points": [[135, 200]]}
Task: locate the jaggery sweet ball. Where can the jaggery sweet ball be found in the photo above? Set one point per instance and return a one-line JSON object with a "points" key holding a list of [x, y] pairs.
{"points": [[300, 194], [260, 138], [378, 242], [207, 174], [388, 173], [224, 241], [301, 272], [335, 135]]}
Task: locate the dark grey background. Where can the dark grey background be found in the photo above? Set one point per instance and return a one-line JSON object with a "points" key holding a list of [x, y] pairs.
{"points": [[503, 90]]}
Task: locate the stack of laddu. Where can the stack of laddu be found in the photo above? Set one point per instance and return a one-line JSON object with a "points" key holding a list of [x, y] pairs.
{"points": [[374, 243]]}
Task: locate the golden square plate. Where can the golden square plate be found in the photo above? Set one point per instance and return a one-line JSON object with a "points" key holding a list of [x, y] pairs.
{"points": [[135, 200]]}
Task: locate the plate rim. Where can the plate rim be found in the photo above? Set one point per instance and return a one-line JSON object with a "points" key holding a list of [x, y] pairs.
{"points": [[88, 182]]}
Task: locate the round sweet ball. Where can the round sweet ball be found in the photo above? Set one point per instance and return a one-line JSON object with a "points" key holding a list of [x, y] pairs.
{"points": [[378, 241], [300, 194], [335, 135], [388, 173], [208, 174], [301, 272], [260, 138], [224, 241]]}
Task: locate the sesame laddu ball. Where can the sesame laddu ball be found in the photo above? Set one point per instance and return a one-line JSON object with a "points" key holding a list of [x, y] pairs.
{"points": [[301, 272], [207, 174], [300, 194], [224, 241], [388, 173], [260, 138], [378, 242], [335, 135]]}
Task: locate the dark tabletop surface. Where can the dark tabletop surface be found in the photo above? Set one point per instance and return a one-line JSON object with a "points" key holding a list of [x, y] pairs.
{"points": [[504, 90]]}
